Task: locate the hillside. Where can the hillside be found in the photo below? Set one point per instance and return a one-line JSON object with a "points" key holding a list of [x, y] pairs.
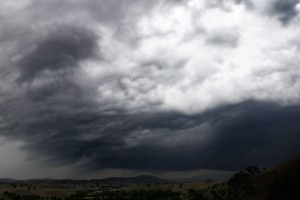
{"points": [[279, 182], [8, 180]]}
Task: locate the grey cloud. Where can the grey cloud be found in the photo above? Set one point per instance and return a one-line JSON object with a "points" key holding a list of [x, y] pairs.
{"points": [[228, 137], [63, 116], [108, 12], [62, 48], [229, 38], [284, 10], [248, 3], [220, 3], [262, 133], [104, 10], [251, 132], [23, 26]]}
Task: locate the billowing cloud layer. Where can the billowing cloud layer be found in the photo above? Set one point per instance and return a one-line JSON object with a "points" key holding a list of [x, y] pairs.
{"points": [[160, 85]]}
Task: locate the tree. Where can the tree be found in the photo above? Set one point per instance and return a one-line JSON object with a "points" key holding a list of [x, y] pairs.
{"points": [[238, 179], [252, 170]]}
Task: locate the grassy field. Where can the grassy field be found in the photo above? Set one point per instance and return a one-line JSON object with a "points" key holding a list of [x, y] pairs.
{"points": [[62, 191]]}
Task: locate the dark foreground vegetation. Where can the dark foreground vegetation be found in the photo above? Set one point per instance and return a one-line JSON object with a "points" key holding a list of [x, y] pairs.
{"points": [[279, 182]]}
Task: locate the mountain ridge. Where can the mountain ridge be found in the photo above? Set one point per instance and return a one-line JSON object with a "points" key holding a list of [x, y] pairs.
{"points": [[142, 179]]}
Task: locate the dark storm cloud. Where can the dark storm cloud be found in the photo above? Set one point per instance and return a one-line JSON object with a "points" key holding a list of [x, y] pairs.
{"points": [[284, 10], [257, 132], [251, 132], [229, 137], [62, 48]]}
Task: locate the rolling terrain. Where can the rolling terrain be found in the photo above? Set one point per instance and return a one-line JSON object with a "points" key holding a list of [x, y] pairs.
{"points": [[279, 182]]}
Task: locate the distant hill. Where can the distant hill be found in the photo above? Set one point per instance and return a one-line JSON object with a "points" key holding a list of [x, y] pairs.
{"points": [[205, 177], [8, 180], [144, 179]]}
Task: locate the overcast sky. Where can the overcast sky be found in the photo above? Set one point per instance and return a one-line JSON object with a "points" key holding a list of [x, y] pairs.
{"points": [[98, 88]]}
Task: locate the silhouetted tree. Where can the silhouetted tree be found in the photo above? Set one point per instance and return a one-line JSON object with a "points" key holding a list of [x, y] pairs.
{"points": [[253, 169]]}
